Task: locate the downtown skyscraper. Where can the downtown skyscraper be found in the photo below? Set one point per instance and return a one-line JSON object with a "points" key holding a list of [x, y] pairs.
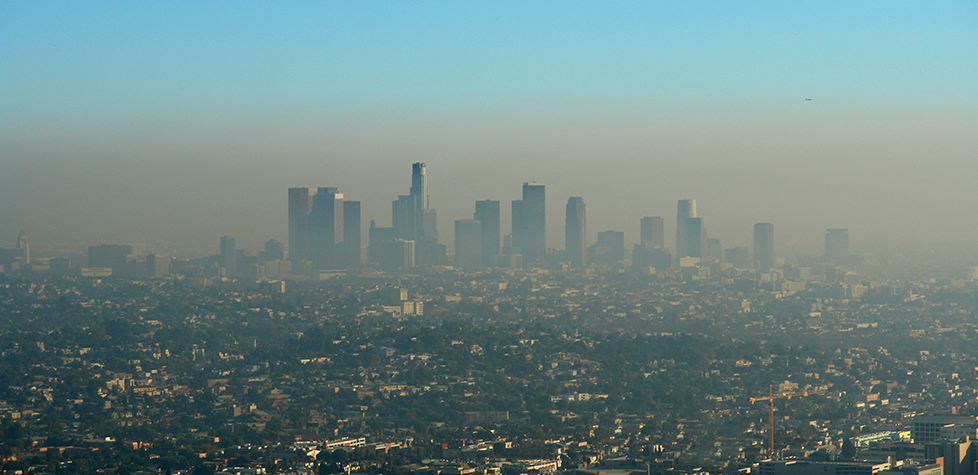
{"points": [[652, 231], [575, 232], [414, 220], [530, 223], [763, 247], [487, 212], [689, 230], [836, 245], [318, 238]]}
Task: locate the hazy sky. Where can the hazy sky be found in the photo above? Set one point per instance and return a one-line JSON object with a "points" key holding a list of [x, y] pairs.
{"points": [[173, 122]]}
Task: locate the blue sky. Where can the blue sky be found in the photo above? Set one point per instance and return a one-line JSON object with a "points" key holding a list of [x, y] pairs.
{"points": [[132, 59], [183, 87]]}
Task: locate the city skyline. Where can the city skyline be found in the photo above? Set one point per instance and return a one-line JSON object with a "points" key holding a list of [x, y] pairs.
{"points": [[173, 126], [489, 237], [418, 201]]}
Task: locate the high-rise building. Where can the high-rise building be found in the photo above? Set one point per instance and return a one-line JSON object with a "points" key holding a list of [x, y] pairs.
{"points": [[714, 249], [419, 186], [410, 211], [575, 232], [685, 234], [352, 239], [650, 256], [428, 225], [738, 256], [530, 236], [517, 232], [273, 251], [114, 256], [405, 216], [652, 232], [836, 245], [317, 227], [609, 249], [23, 245], [414, 220], [377, 236], [693, 242], [300, 223], [763, 247], [487, 212], [157, 265], [468, 243], [327, 218], [395, 254], [229, 255]]}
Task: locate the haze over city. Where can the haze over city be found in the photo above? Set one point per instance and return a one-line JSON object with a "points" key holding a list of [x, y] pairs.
{"points": [[498, 238], [174, 125]]}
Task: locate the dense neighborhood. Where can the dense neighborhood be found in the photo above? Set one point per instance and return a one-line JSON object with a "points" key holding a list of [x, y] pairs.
{"points": [[477, 372]]}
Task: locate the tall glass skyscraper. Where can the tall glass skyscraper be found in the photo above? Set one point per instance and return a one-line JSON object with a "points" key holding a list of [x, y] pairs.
{"points": [[836, 245], [487, 212], [534, 216], [575, 232], [763, 246], [689, 230]]}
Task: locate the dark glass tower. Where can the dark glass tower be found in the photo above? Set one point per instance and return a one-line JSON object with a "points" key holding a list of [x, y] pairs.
{"points": [[575, 232], [686, 231], [763, 247], [487, 212], [532, 236]]}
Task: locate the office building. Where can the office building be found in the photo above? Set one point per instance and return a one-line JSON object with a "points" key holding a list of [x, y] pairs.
{"points": [[763, 247], [414, 220], [394, 254], [300, 223], [113, 256], [273, 251], [694, 237], [24, 246], [837, 245], [530, 223], [352, 239], [689, 230], [327, 214], [813, 467], [317, 228], [468, 243], [60, 265], [428, 225], [652, 232], [713, 249], [645, 256], [412, 214], [419, 186], [928, 428], [509, 261], [575, 232], [157, 265], [487, 212], [738, 256], [229, 256], [609, 249], [405, 216], [517, 222], [376, 237]]}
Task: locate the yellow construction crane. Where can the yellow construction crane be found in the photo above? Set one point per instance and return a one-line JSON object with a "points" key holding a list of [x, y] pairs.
{"points": [[770, 405]]}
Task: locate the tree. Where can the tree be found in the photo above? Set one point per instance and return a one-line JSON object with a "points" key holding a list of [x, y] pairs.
{"points": [[202, 469], [848, 449]]}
